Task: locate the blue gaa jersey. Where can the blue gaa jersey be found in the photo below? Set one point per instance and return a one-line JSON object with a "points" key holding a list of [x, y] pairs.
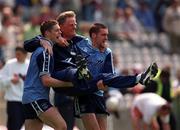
{"points": [[41, 63], [98, 62]]}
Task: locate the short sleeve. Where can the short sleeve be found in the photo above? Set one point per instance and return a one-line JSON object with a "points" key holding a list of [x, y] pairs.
{"points": [[45, 63]]}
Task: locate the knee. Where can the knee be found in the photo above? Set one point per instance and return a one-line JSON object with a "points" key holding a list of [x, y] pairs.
{"points": [[60, 126], [63, 126]]}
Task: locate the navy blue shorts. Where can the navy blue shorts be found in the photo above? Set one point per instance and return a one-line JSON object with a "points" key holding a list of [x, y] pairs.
{"points": [[89, 104], [34, 109]]}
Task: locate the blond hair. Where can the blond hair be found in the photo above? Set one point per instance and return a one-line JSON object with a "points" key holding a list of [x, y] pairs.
{"points": [[61, 18]]}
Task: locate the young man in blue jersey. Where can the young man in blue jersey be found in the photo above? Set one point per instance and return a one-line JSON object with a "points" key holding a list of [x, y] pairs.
{"points": [[91, 107], [37, 108], [68, 26]]}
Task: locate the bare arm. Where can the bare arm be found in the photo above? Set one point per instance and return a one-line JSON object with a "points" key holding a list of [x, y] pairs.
{"points": [[154, 124], [136, 119], [45, 43], [101, 85], [136, 125], [166, 126]]}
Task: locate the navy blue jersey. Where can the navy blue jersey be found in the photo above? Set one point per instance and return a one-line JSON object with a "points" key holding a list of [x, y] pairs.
{"points": [[41, 63], [62, 55]]}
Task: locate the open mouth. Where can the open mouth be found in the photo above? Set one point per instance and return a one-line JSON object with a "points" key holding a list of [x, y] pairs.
{"points": [[58, 37]]}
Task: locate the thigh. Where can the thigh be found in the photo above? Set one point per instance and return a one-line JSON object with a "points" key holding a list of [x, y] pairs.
{"points": [[44, 111], [102, 121], [136, 118], [52, 118], [33, 124], [34, 109], [90, 122]]}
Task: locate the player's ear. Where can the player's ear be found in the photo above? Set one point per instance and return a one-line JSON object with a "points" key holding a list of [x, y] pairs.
{"points": [[93, 35], [46, 33]]}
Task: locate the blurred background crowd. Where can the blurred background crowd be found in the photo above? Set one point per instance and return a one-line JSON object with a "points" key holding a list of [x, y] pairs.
{"points": [[141, 31]]}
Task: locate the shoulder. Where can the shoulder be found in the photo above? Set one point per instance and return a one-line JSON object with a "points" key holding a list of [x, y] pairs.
{"points": [[108, 51], [85, 42], [27, 61], [39, 51], [11, 61], [78, 38]]}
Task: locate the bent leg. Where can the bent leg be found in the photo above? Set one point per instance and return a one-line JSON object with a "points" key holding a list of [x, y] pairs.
{"points": [[52, 118], [102, 121], [117, 81], [90, 122], [33, 124]]}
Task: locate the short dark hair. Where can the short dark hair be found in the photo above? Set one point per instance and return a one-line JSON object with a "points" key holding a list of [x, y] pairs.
{"points": [[61, 18], [95, 28], [21, 49], [47, 26]]}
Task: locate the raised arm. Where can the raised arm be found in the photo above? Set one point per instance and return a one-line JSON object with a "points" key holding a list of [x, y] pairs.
{"points": [[32, 44]]}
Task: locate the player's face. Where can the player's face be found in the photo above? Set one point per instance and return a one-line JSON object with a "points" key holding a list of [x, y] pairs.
{"points": [[55, 33], [68, 28], [101, 38]]}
